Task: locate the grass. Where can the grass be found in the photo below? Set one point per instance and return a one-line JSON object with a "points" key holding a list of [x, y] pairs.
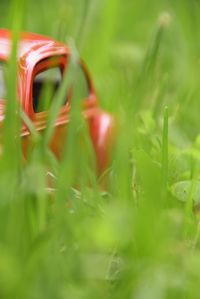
{"points": [[140, 238]]}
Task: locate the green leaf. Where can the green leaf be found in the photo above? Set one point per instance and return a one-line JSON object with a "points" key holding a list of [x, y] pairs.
{"points": [[182, 190]]}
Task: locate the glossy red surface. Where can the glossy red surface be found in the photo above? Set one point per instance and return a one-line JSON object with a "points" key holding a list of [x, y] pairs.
{"points": [[33, 49]]}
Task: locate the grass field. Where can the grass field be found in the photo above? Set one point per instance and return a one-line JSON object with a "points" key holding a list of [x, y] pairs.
{"points": [[139, 238]]}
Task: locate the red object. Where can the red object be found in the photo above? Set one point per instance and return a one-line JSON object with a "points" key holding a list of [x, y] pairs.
{"points": [[38, 54]]}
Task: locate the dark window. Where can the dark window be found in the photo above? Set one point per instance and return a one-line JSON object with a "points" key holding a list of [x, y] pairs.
{"points": [[47, 82], [45, 85], [2, 81]]}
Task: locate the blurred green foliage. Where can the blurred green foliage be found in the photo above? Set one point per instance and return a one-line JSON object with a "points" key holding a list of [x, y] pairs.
{"points": [[140, 238]]}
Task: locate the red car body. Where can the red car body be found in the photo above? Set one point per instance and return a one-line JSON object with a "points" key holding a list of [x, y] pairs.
{"points": [[34, 57]]}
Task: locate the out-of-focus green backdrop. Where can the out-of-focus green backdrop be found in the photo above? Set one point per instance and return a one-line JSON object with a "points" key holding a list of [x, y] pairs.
{"points": [[139, 238]]}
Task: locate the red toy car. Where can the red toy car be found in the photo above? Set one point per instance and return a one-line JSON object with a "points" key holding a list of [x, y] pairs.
{"points": [[40, 60]]}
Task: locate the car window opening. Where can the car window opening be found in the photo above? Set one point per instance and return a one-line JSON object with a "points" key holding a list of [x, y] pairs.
{"points": [[45, 86], [47, 82]]}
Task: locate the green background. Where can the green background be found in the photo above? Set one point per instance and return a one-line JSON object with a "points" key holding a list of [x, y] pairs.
{"points": [[140, 237]]}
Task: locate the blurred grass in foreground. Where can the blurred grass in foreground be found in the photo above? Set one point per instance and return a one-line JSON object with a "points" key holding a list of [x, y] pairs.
{"points": [[140, 239]]}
